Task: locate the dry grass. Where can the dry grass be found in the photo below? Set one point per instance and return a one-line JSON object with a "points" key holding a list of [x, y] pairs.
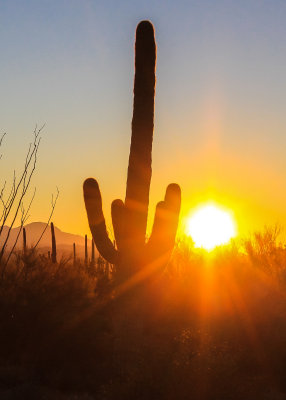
{"points": [[212, 327]]}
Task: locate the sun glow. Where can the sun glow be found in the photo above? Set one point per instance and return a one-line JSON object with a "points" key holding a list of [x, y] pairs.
{"points": [[210, 226]]}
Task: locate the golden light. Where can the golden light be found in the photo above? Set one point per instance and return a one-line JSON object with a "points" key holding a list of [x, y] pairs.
{"points": [[210, 226]]}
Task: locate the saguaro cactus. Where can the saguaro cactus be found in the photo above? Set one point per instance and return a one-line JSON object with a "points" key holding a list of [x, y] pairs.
{"points": [[24, 241], [54, 245], [74, 254], [130, 218], [85, 250], [92, 253]]}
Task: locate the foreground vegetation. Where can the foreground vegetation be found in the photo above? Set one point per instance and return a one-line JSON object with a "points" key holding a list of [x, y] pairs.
{"points": [[210, 327]]}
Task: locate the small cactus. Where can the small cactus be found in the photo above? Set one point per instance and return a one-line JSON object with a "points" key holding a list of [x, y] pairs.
{"points": [[129, 218], [74, 254], [54, 245], [92, 253], [85, 250], [24, 241]]}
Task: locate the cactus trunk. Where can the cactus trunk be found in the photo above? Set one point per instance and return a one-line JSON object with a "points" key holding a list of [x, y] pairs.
{"points": [[140, 158]]}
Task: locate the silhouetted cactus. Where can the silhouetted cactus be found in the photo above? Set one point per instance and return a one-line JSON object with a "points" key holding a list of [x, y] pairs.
{"points": [[54, 245], [74, 254], [92, 253], [130, 218], [85, 250], [24, 242]]}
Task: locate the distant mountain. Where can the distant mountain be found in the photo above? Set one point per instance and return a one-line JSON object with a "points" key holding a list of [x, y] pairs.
{"points": [[33, 232]]}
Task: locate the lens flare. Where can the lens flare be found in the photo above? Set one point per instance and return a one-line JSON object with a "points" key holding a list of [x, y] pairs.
{"points": [[210, 226]]}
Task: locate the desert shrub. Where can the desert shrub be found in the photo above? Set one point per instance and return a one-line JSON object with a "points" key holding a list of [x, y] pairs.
{"points": [[267, 253], [210, 327]]}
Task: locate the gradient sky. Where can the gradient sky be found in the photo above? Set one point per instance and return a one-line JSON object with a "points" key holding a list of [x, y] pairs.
{"points": [[220, 127]]}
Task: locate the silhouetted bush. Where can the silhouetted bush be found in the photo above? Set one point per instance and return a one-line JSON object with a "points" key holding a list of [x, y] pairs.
{"points": [[210, 327]]}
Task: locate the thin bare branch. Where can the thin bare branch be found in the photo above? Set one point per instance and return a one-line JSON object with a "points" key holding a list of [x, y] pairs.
{"points": [[1, 140], [19, 190], [23, 181], [24, 217], [53, 202]]}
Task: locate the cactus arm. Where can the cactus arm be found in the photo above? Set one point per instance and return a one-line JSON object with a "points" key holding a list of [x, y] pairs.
{"points": [[173, 199], [165, 225], [93, 204], [139, 168], [118, 214], [157, 229], [173, 206]]}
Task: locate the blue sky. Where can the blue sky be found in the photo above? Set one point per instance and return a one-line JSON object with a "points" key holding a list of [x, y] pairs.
{"points": [[220, 100]]}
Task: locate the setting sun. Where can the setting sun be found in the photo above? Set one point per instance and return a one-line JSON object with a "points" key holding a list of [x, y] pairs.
{"points": [[210, 226]]}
